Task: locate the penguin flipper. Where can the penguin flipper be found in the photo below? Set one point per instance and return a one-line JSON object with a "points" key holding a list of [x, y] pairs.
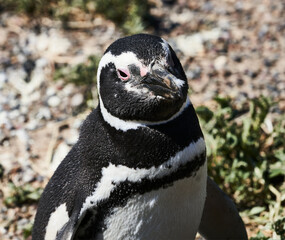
{"points": [[73, 228], [220, 219]]}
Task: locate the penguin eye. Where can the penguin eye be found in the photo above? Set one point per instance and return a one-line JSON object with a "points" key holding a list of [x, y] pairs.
{"points": [[123, 74]]}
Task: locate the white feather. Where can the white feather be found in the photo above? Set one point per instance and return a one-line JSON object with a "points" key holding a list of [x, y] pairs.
{"points": [[120, 61], [168, 213], [56, 221], [125, 125], [116, 174]]}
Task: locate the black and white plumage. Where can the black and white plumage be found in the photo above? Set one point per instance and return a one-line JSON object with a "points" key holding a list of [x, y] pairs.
{"points": [[138, 170]]}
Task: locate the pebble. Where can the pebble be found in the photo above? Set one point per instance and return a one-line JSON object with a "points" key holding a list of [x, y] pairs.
{"points": [[192, 45], [16, 77], [68, 89], [3, 79], [41, 62], [29, 65], [77, 100], [33, 124], [28, 175], [7, 161], [77, 123], [52, 42], [3, 36], [5, 121], [220, 63], [54, 101], [50, 91], [72, 137], [44, 113], [14, 114]]}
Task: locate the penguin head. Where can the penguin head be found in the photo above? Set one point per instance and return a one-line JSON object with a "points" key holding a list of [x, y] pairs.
{"points": [[141, 79]]}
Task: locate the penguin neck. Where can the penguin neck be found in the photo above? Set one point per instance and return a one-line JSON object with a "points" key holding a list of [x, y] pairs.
{"points": [[182, 129], [125, 125]]}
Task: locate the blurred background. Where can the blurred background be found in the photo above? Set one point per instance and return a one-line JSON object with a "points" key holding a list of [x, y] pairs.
{"points": [[233, 53]]}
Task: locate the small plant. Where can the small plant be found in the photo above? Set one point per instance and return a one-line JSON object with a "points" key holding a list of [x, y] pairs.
{"points": [[83, 74], [247, 156], [130, 15], [22, 195], [30, 7], [279, 227], [27, 231], [259, 236]]}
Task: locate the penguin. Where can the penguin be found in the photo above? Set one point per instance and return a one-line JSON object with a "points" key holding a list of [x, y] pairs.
{"points": [[139, 167]]}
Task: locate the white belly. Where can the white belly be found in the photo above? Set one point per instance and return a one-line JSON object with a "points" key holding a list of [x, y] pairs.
{"points": [[172, 213]]}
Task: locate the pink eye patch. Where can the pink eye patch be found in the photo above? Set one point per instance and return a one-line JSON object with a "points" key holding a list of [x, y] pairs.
{"points": [[123, 74]]}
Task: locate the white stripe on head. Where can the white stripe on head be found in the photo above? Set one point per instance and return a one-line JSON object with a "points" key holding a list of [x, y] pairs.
{"points": [[120, 61], [56, 221], [125, 125], [113, 174], [115, 122]]}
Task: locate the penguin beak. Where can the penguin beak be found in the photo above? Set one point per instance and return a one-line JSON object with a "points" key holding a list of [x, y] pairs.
{"points": [[162, 82]]}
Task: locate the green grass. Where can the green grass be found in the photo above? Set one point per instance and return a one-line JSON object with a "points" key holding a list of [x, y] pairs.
{"points": [[19, 195], [131, 16], [247, 159], [83, 74]]}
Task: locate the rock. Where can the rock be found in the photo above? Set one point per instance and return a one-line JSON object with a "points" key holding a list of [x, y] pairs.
{"points": [[37, 78], [192, 45], [23, 137], [28, 175], [33, 124], [50, 91], [52, 43], [41, 62], [16, 77], [3, 36], [7, 161], [68, 89], [44, 113], [53, 101], [3, 79], [28, 99], [224, 24], [183, 17], [14, 114], [29, 66], [5, 121], [77, 123], [71, 137], [220, 63], [77, 100], [194, 73]]}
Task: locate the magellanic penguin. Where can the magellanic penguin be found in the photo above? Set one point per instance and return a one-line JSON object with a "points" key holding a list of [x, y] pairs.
{"points": [[139, 168]]}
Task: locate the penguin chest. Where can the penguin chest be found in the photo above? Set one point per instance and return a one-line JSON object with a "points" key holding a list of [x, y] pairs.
{"points": [[169, 213]]}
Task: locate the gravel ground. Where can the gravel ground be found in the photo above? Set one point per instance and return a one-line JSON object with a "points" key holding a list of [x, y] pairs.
{"points": [[231, 48]]}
